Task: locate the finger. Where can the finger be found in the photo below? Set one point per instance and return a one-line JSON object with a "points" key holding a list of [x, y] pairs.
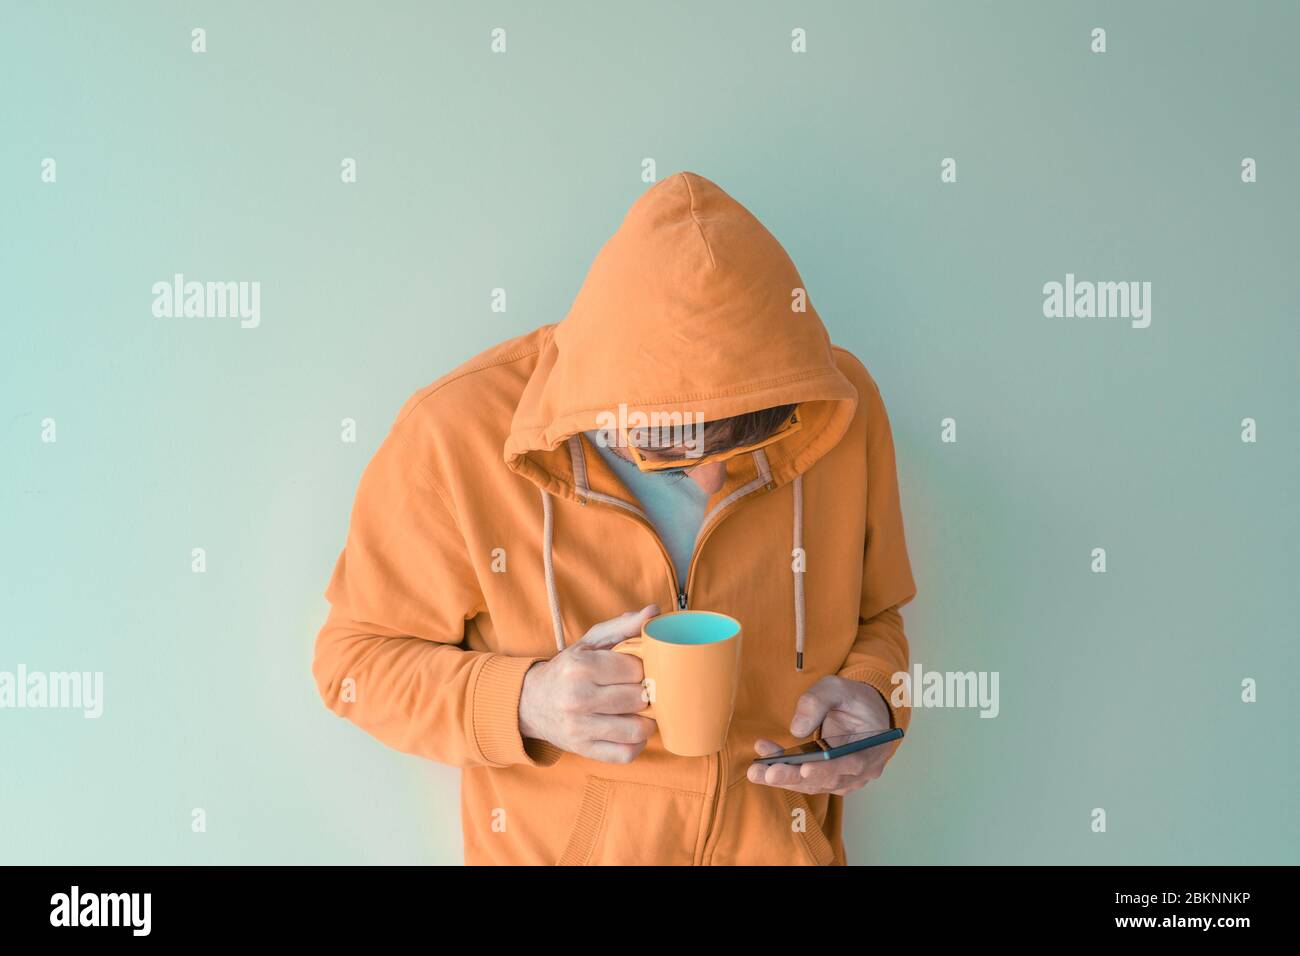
{"points": [[761, 774], [828, 778], [621, 698], [850, 765], [781, 774], [764, 748], [629, 729], [607, 752], [813, 706], [820, 775], [818, 772], [834, 693], [611, 667], [608, 633]]}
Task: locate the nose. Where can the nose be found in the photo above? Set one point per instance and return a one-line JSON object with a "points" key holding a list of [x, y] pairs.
{"points": [[709, 477]]}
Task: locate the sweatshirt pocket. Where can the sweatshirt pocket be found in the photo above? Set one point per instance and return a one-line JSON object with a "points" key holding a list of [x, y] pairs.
{"points": [[621, 822], [770, 826]]}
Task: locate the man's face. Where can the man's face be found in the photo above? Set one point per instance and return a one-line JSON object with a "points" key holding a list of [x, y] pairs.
{"points": [[709, 476]]}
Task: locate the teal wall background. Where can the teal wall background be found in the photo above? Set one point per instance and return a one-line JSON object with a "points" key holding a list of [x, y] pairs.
{"points": [[476, 170]]}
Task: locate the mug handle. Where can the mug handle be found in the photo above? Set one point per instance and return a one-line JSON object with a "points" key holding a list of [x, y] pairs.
{"points": [[633, 646]]}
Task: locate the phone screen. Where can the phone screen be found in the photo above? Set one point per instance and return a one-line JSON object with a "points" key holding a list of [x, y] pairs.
{"points": [[817, 747], [832, 742]]}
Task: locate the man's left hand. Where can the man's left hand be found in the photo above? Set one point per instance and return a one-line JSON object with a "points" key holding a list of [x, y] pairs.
{"points": [[840, 707]]}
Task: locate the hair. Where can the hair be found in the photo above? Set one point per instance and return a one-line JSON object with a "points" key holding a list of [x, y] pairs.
{"points": [[723, 434]]}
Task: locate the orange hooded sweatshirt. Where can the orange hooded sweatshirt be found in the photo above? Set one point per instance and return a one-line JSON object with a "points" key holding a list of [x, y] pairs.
{"points": [[487, 535]]}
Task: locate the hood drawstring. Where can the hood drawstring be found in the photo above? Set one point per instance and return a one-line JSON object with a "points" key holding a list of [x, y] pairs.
{"points": [[798, 563], [548, 563], [798, 566]]}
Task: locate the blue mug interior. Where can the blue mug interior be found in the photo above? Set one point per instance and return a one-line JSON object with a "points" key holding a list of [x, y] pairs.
{"points": [[692, 627]]}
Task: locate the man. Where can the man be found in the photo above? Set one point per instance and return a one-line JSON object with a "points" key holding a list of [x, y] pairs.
{"points": [[516, 518]]}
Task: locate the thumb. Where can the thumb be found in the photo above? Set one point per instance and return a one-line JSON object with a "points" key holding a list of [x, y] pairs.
{"points": [[812, 708], [608, 633]]}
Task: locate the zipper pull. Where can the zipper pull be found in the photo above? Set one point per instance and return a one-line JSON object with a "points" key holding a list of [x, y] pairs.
{"points": [[681, 600]]}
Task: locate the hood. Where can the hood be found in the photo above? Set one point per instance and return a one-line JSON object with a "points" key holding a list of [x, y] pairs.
{"points": [[689, 307]]}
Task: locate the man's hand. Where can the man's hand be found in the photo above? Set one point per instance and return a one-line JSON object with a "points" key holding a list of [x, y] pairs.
{"points": [[585, 699], [841, 707]]}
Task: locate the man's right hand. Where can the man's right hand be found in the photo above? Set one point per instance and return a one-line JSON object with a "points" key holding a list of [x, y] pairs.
{"points": [[585, 699]]}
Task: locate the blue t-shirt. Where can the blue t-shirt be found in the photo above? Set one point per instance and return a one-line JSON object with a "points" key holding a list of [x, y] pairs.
{"points": [[674, 503]]}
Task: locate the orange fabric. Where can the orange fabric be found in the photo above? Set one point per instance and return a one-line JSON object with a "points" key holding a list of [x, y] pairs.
{"points": [[687, 308]]}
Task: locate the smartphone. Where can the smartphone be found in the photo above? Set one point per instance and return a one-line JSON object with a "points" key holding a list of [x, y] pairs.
{"points": [[828, 748]]}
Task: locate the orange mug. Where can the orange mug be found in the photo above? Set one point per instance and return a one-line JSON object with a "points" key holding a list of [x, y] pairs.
{"points": [[691, 661]]}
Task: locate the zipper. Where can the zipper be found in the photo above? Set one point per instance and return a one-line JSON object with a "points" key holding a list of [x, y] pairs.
{"points": [[641, 518], [706, 852], [715, 760], [709, 527]]}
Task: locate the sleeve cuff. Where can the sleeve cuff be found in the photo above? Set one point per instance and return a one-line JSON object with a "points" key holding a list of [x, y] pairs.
{"points": [[494, 720], [884, 685]]}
